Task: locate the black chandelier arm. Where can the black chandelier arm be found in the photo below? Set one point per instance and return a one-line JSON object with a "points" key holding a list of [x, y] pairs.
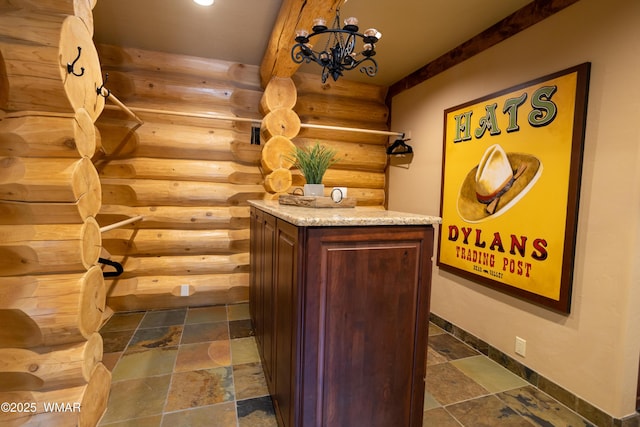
{"points": [[346, 47], [301, 53], [369, 70], [366, 39]]}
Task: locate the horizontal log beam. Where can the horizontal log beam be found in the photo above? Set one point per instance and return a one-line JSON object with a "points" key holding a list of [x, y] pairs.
{"points": [[177, 141], [47, 368], [346, 178], [16, 212], [129, 59], [309, 84], [50, 310], [140, 192], [50, 248], [344, 135], [183, 265], [357, 156], [191, 218], [184, 170], [49, 180], [152, 87], [90, 402], [350, 108], [175, 242], [154, 292], [48, 135]]}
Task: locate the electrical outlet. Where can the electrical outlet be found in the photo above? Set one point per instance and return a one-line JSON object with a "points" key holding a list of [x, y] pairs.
{"points": [[521, 346], [184, 290]]}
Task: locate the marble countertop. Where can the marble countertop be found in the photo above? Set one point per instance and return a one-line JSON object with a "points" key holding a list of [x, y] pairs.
{"points": [[357, 216]]}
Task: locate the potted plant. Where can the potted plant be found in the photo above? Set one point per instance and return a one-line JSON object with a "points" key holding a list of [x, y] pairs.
{"points": [[313, 162]]}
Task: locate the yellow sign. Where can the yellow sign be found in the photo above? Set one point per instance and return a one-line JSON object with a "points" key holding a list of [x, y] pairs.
{"points": [[511, 174]]}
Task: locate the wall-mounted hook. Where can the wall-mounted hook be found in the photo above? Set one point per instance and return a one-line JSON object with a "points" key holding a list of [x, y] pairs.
{"points": [[119, 268], [400, 146], [99, 89], [71, 66]]}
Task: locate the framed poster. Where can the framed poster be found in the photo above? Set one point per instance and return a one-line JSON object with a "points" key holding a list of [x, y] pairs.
{"points": [[510, 187]]}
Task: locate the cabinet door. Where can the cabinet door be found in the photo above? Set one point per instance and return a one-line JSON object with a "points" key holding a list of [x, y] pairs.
{"points": [[255, 260], [285, 307], [268, 295], [366, 293], [262, 292]]}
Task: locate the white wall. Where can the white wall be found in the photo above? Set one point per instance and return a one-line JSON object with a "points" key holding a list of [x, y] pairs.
{"points": [[594, 351]]}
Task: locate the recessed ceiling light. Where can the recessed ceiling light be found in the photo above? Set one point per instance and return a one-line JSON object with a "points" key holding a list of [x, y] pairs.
{"points": [[204, 2]]}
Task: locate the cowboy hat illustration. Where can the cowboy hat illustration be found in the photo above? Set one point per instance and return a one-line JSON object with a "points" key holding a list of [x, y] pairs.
{"points": [[497, 183]]}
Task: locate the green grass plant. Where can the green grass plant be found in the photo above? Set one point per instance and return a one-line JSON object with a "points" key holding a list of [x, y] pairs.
{"points": [[313, 161]]}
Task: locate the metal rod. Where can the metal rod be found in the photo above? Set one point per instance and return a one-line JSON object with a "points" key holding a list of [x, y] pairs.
{"points": [[111, 97], [242, 119], [120, 223], [378, 132], [195, 115]]}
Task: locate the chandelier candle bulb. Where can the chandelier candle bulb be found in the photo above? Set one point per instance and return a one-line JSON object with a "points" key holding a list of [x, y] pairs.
{"points": [[372, 35], [351, 24], [319, 25]]}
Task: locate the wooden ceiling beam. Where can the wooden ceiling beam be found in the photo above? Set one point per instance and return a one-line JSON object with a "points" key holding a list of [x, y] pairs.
{"points": [[293, 15], [520, 20]]}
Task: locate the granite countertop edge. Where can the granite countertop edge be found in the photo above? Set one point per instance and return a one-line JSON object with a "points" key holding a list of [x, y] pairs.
{"points": [[357, 216]]}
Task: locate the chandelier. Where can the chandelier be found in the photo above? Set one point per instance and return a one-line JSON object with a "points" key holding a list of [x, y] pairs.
{"points": [[339, 53]]}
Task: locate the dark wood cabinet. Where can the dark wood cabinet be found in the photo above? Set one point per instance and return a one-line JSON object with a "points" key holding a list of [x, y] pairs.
{"points": [[273, 293], [341, 319]]}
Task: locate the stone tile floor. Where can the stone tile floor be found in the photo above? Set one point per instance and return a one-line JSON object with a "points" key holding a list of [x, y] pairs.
{"points": [[200, 367]]}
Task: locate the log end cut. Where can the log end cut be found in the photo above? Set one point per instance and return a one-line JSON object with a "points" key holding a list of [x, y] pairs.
{"points": [[92, 302]]}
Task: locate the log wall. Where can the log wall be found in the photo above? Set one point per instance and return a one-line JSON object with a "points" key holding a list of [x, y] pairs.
{"points": [[52, 292], [68, 167], [190, 177]]}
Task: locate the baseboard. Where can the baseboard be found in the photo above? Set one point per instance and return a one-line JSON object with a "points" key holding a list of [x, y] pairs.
{"points": [[571, 401]]}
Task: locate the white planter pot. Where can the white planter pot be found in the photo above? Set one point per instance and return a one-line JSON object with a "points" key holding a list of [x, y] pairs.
{"points": [[314, 190]]}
